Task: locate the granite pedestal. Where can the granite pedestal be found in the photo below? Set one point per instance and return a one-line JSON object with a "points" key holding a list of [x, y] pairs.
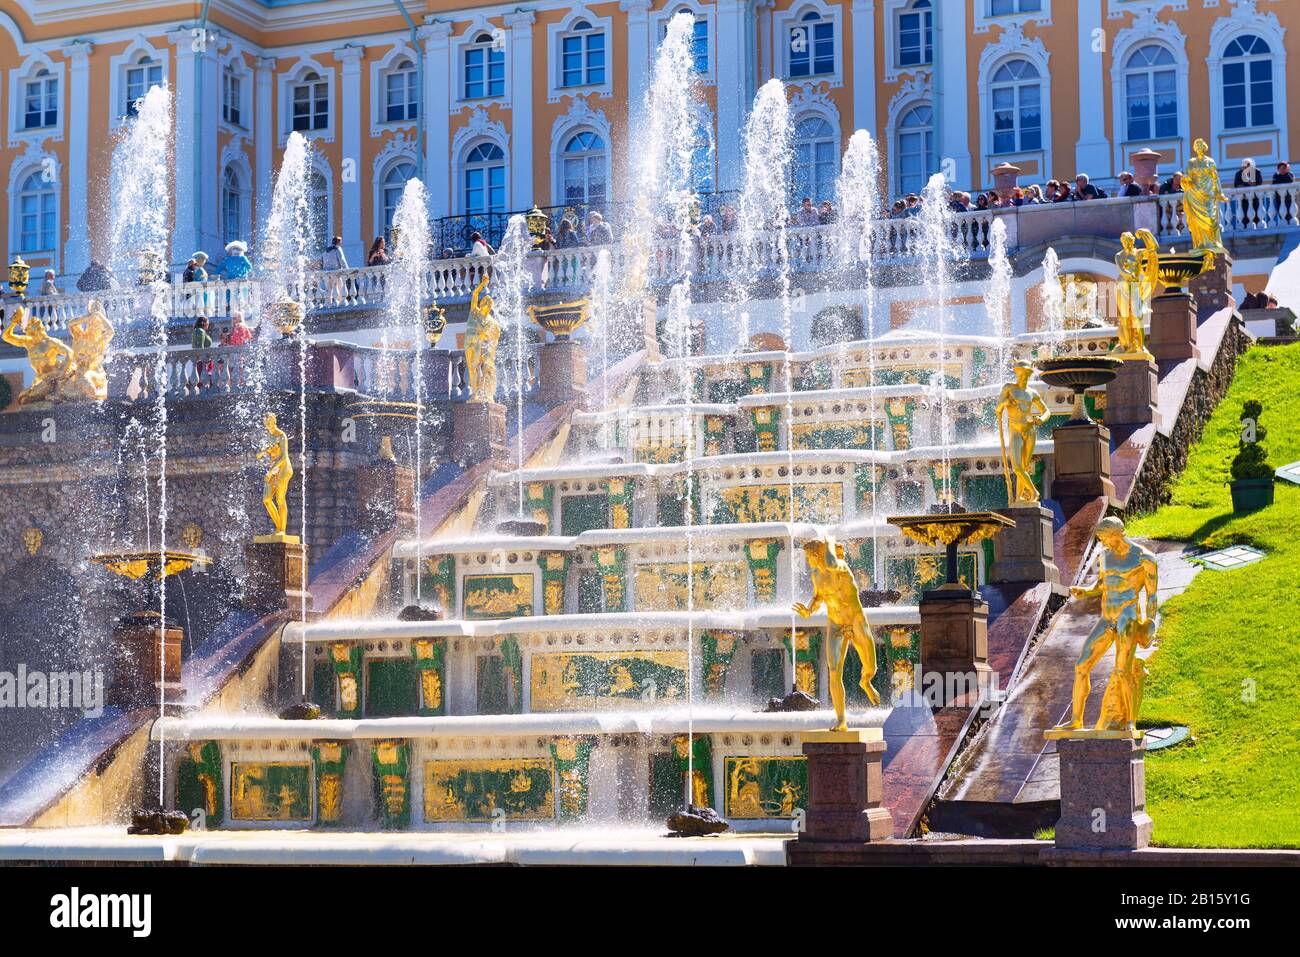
{"points": [[954, 646], [1173, 327], [1081, 460], [845, 790], [563, 375], [1025, 553], [146, 653], [1103, 794], [386, 493], [478, 433], [1132, 397], [1212, 289], [276, 566]]}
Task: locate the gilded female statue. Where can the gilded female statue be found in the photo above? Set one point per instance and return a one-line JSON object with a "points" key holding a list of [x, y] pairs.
{"points": [[50, 358], [275, 487], [481, 339], [1139, 277], [1201, 197]]}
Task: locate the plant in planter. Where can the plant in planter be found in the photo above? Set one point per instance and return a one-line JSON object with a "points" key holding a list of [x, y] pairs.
{"points": [[1252, 476]]}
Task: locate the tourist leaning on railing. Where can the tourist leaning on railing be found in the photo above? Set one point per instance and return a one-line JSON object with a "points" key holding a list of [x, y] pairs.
{"points": [[48, 287], [378, 255]]}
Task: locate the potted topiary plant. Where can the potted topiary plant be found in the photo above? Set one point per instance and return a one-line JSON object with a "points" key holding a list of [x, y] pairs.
{"points": [[1252, 476]]}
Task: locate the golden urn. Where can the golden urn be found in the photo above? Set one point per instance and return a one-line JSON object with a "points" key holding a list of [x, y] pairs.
{"points": [[1177, 269], [19, 272], [562, 319], [537, 222], [285, 315], [435, 324]]}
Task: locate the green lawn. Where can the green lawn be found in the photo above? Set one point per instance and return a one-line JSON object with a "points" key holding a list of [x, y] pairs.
{"points": [[1228, 664]]}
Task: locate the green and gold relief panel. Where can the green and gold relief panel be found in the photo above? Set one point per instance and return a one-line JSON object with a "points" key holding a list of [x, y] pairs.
{"points": [[270, 791], [477, 790], [821, 502], [839, 435], [720, 584], [605, 680], [498, 596], [764, 787]]}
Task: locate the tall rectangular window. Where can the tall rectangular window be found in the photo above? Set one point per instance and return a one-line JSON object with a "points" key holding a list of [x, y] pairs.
{"points": [[41, 101], [485, 72]]}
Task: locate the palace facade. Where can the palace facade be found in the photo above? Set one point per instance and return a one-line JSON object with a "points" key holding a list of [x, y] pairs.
{"points": [[503, 106]]}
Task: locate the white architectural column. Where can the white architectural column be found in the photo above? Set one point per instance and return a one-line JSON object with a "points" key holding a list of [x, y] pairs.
{"points": [[354, 231], [639, 46], [1092, 153], [734, 70], [864, 66], [436, 35], [519, 53], [197, 184], [264, 125], [950, 90], [76, 255]]}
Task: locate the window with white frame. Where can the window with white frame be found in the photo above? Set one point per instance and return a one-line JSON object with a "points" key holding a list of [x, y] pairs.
{"points": [[812, 46], [232, 205], [40, 100], [232, 96], [484, 69], [584, 163], [483, 179], [1247, 83], [914, 149], [1015, 101], [141, 77], [394, 183], [1006, 8], [311, 103], [1151, 93], [916, 34], [37, 205], [321, 221], [582, 56], [401, 93], [816, 160], [699, 39]]}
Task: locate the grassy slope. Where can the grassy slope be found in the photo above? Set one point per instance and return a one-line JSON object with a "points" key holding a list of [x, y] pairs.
{"points": [[1232, 633]]}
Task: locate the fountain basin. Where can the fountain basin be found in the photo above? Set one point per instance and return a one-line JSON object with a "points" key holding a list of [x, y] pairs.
{"points": [[1079, 374]]}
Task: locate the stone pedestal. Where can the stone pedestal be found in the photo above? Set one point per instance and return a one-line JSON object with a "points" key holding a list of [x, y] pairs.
{"points": [[1212, 290], [563, 375], [1146, 167], [1173, 327], [275, 566], [845, 790], [478, 432], [954, 646], [1081, 461], [1103, 794], [1025, 553], [386, 492], [136, 667], [1131, 397]]}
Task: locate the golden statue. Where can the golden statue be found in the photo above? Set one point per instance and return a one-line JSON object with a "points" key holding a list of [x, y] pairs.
{"points": [[481, 345], [1139, 277], [1202, 195], [1025, 411], [836, 588], [91, 335], [50, 358], [1128, 620], [275, 486]]}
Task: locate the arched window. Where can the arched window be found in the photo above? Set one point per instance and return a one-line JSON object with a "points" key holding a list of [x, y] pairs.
{"points": [[1151, 93], [40, 100], [37, 215], [391, 192], [584, 164], [1247, 83], [916, 34], [582, 56], [816, 159], [232, 205], [484, 179], [915, 148], [1016, 106], [322, 222], [141, 77], [311, 103], [485, 68], [401, 93], [812, 46]]}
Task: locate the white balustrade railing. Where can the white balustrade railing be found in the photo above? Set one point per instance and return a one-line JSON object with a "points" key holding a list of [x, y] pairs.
{"points": [[1251, 209]]}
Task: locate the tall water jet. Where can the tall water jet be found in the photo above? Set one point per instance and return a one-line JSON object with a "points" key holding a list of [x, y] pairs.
{"points": [[1053, 297], [405, 297], [141, 187], [997, 296], [511, 282], [601, 307]]}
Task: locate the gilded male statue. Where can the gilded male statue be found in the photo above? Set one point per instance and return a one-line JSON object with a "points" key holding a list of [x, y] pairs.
{"points": [[835, 587], [91, 335], [50, 359], [1139, 277], [1127, 583], [1024, 411]]}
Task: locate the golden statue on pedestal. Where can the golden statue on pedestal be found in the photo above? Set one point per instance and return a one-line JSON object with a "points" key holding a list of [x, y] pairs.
{"points": [[275, 487], [1128, 620], [1202, 195], [836, 588], [481, 339], [91, 335], [1139, 277], [1024, 411], [50, 359]]}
